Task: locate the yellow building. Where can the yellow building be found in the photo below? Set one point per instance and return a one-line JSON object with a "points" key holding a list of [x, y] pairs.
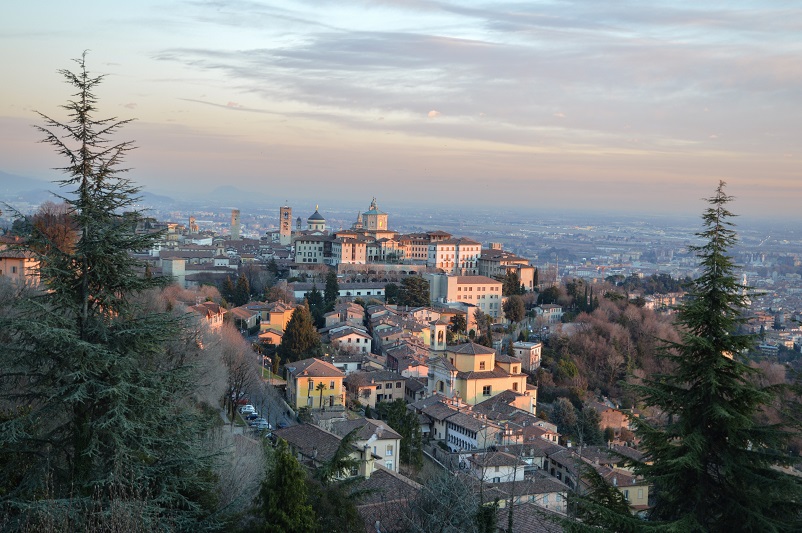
{"points": [[315, 383], [474, 373], [275, 315]]}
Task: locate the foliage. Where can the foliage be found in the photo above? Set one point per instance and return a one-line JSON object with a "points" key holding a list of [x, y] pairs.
{"points": [[413, 292], [580, 425], [242, 291], [511, 284], [713, 466], [391, 291], [655, 284], [332, 490], [406, 423], [94, 415], [549, 295], [283, 504], [600, 506], [484, 323], [514, 309], [458, 323], [332, 290], [317, 306], [301, 339]]}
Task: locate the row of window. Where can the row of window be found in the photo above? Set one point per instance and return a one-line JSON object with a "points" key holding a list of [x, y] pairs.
{"points": [[312, 385], [480, 288]]}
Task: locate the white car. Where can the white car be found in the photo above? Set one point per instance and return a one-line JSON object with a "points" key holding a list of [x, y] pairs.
{"points": [[247, 409]]}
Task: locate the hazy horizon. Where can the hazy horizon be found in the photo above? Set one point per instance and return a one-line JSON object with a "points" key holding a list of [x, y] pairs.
{"points": [[582, 106]]}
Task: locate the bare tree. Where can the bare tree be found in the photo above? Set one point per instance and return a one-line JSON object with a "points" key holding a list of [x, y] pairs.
{"points": [[241, 362]]}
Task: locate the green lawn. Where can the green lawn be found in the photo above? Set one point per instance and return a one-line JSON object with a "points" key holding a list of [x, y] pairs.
{"points": [[268, 374]]}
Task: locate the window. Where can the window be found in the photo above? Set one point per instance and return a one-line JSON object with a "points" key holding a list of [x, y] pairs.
{"points": [[13, 270], [379, 386], [626, 495], [640, 494], [559, 497], [397, 384], [515, 387], [331, 384], [481, 365], [498, 469], [389, 452], [496, 480], [486, 390], [545, 499], [389, 465]]}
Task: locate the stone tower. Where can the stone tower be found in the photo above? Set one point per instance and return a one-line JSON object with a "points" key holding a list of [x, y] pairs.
{"points": [[285, 225], [235, 224]]}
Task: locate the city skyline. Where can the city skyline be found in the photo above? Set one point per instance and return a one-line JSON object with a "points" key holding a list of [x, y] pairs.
{"points": [[617, 107]]}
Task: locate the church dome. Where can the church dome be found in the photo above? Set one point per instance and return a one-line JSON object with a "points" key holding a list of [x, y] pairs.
{"points": [[316, 216]]}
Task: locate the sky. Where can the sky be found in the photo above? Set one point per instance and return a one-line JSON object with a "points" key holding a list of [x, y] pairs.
{"points": [[590, 105]]}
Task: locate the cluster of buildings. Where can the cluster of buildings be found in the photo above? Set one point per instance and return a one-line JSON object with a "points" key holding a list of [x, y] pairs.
{"points": [[474, 405]]}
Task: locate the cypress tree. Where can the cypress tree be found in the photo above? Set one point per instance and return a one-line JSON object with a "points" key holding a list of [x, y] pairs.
{"points": [[713, 466], [300, 339], [242, 291], [332, 290], [95, 396]]}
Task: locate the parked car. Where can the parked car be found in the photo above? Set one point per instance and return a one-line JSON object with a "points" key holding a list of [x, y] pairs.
{"points": [[282, 425], [247, 409], [252, 416], [262, 425], [256, 421]]}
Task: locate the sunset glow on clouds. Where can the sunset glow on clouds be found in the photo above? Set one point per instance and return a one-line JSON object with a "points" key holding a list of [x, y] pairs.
{"points": [[512, 103]]}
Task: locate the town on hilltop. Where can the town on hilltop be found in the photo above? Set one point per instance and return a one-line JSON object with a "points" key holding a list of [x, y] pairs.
{"points": [[426, 348]]}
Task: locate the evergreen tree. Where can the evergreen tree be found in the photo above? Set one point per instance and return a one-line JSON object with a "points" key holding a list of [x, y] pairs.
{"points": [[84, 370], [242, 291], [406, 423], [414, 292], [511, 284], [284, 505], [228, 290], [536, 279], [713, 466], [300, 339], [514, 308], [391, 293], [317, 306], [332, 290], [601, 507]]}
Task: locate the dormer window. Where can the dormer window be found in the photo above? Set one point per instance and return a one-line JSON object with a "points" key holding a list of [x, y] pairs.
{"points": [[481, 365]]}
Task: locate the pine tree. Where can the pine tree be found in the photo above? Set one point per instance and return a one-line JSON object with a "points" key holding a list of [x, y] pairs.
{"points": [[284, 505], [332, 290], [300, 340], [242, 291], [712, 464], [84, 369]]}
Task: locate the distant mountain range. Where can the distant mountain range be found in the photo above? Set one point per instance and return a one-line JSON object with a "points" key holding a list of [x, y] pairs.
{"points": [[23, 189], [14, 188]]}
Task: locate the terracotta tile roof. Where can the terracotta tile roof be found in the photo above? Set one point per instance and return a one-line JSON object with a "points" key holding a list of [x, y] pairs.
{"points": [[313, 367], [486, 374], [470, 348], [311, 441], [504, 358], [367, 428]]}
